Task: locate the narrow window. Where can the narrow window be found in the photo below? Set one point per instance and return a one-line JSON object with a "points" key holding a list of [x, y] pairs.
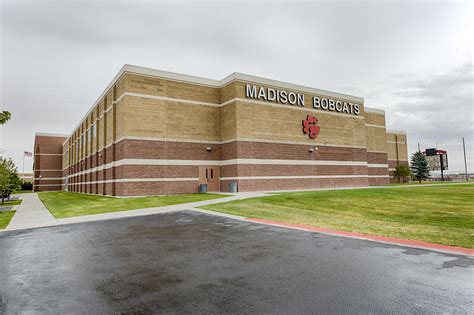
{"points": [[212, 175]]}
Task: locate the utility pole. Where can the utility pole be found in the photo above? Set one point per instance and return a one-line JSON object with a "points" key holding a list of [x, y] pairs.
{"points": [[419, 147], [465, 163]]}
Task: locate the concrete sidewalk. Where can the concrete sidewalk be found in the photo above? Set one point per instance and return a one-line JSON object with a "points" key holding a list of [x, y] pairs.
{"points": [[31, 213], [155, 210]]}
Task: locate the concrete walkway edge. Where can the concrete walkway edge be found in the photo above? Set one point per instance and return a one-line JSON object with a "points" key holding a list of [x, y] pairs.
{"points": [[31, 213]]}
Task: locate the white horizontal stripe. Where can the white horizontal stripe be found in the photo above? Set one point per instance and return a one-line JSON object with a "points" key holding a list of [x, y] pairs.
{"points": [[299, 177], [388, 141], [312, 144], [373, 151], [374, 110], [49, 170], [48, 154], [375, 126], [391, 169], [219, 163], [167, 139], [48, 178], [236, 161], [172, 179], [135, 180], [377, 165], [44, 134], [396, 132], [164, 98], [36, 185]]}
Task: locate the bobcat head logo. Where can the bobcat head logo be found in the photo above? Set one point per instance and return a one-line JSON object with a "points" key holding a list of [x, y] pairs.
{"points": [[310, 127]]}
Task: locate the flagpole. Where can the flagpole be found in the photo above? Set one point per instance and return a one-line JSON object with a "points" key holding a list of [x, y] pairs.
{"points": [[23, 177]]}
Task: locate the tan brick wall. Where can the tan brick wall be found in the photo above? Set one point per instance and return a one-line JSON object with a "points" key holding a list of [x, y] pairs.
{"points": [[151, 118], [239, 88], [374, 118], [376, 139], [168, 88], [284, 123], [397, 151]]}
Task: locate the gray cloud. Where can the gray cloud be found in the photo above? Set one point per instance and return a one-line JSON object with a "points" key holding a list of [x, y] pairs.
{"points": [[412, 59], [437, 109]]}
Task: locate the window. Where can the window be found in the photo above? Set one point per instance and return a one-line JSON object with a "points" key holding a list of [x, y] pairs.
{"points": [[94, 130]]}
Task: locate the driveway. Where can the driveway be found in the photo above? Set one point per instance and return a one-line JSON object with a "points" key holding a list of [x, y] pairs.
{"points": [[190, 262]]}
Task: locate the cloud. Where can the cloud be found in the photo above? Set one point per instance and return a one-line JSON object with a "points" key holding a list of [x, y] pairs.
{"points": [[57, 56], [436, 109]]}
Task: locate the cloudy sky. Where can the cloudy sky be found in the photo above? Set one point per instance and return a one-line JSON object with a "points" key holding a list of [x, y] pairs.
{"points": [[412, 59]]}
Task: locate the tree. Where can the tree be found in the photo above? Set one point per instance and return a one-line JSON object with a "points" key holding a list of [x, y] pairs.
{"points": [[4, 181], [9, 179], [419, 166], [402, 173], [4, 117]]}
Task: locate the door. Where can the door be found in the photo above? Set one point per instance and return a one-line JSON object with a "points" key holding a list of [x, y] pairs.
{"points": [[209, 175]]}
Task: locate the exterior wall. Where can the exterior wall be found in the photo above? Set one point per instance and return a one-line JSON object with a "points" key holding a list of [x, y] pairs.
{"points": [[48, 162], [376, 138], [397, 150], [152, 133]]}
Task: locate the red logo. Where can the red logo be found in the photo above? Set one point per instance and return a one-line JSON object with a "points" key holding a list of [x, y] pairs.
{"points": [[309, 126]]}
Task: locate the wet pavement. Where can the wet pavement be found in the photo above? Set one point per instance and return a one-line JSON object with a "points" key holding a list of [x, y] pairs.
{"points": [[189, 262]]}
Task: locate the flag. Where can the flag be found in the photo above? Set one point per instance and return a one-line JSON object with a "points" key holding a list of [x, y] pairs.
{"points": [[28, 154]]}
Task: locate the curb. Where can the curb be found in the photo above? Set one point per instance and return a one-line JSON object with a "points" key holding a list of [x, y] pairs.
{"points": [[219, 214], [375, 238]]}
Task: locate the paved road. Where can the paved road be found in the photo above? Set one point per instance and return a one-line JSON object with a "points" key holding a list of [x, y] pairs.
{"points": [[190, 262]]}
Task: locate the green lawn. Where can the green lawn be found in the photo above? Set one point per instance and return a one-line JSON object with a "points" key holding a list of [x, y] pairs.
{"points": [[430, 183], [21, 192], [5, 217], [10, 203], [66, 204], [438, 214]]}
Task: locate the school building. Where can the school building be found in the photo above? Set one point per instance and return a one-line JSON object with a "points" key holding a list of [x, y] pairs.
{"points": [[153, 132]]}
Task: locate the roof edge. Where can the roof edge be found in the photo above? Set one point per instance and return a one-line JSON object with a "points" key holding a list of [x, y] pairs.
{"points": [[374, 110], [396, 131], [46, 134], [127, 68]]}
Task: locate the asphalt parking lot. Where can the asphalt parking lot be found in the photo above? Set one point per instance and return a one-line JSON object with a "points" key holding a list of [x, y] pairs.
{"points": [[188, 262]]}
